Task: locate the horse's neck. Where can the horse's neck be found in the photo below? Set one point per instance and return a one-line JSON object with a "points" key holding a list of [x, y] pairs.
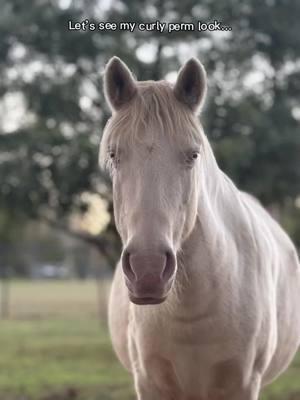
{"points": [[218, 199], [204, 255]]}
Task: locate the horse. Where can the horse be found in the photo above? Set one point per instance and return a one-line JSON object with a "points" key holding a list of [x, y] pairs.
{"points": [[204, 300]]}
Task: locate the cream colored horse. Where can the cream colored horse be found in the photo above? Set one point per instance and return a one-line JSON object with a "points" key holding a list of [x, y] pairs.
{"points": [[205, 299]]}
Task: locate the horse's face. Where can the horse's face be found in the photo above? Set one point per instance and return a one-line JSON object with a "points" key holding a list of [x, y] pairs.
{"points": [[155, 206], [155, 176]]}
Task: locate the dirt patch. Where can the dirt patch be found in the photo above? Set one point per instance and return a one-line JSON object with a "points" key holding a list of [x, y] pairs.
{"points": [[67, 394]]}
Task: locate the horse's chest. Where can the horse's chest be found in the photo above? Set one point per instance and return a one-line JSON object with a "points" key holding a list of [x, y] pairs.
{"points": [[189, 360], [190, 378]]}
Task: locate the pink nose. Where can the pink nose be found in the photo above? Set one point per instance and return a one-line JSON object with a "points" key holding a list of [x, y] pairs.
{"points": [[148, 276]]}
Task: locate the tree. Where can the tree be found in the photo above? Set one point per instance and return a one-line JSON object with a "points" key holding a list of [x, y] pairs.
{"points": [[48, 161]]}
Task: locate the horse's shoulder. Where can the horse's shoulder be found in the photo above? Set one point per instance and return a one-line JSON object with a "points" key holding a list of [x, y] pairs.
{"points": [[118, 315]]}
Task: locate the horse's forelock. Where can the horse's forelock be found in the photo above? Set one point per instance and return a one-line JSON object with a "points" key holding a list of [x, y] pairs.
{"points": [[155, 109]]}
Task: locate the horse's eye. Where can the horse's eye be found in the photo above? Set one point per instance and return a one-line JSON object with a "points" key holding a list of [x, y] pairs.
{"points": [[191, 157]]}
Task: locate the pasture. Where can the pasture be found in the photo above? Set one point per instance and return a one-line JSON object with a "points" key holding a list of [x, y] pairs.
{"points": [[55, 346]]}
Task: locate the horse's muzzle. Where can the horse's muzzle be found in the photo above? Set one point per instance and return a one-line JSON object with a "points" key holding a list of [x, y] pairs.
{"points": [[148, 276]]}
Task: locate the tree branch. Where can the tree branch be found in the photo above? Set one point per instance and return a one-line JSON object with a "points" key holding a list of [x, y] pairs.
{"points": [[102, 243]]}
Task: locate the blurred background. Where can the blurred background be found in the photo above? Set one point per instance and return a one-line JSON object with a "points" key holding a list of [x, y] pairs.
{"points": [[58, 243]]}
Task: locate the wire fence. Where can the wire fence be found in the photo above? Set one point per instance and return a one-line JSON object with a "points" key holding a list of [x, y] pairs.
{"points": [[32, 299]]}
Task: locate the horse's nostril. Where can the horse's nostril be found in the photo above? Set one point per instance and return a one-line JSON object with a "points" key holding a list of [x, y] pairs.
{"points": [[128, 271], [169, 266]]}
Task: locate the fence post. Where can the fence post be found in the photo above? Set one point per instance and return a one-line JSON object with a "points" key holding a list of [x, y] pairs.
{"points": [[4, 294]]}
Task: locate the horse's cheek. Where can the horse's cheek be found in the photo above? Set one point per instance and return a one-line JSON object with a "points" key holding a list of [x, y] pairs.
{"points": [[119, 211], [189, 207]]}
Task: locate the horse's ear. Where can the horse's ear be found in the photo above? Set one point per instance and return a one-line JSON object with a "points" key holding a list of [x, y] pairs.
{"points": [[119, 84], [190, 87]]}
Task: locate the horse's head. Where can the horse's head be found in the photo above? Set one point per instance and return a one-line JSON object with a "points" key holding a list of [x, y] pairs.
{"points": [[152, 146]]}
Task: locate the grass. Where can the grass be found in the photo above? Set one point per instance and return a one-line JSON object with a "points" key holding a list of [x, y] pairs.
{"points": [[56, 346], [59, 358]]}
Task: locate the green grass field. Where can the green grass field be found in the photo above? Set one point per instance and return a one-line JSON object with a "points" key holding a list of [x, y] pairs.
{"points": [[55, 346]]}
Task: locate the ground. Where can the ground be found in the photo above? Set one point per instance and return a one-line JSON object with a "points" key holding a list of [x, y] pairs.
{"points": [[55, 346]]}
